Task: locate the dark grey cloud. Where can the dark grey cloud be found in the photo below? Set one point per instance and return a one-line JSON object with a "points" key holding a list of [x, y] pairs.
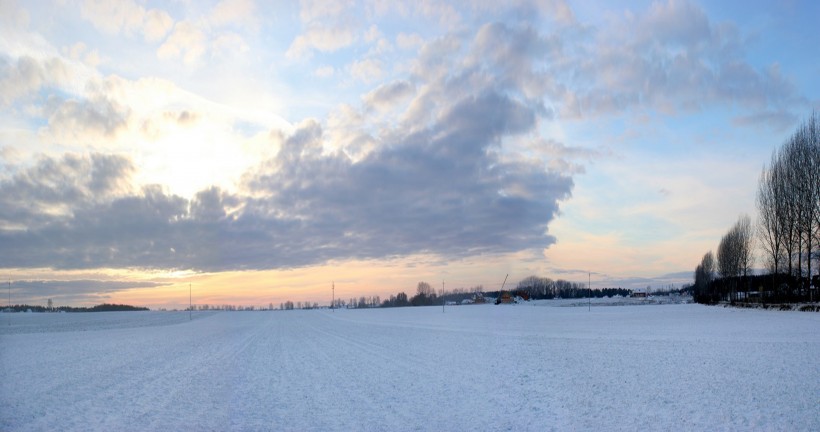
{"points": [[442, 190], [23, 76], [96, 116], [389, 94], [438, 191], [53, 189]]}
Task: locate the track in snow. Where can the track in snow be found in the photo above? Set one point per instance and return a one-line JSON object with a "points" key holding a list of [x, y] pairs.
{"points": [[471, 368]]}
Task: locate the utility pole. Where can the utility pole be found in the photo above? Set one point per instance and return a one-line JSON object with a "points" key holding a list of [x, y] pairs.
{"points": [[333, 297], [9, 302], [442, 296], [190, 304], [589, 288]]}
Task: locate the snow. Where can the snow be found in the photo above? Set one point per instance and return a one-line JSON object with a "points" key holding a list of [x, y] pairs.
{"points": [[476, 367]]}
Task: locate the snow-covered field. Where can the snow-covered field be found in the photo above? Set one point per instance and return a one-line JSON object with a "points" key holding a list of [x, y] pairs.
{"points": [[482, 367]]}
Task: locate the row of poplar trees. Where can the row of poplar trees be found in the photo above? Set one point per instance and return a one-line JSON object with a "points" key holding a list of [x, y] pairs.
{"points": [[787, 232]]}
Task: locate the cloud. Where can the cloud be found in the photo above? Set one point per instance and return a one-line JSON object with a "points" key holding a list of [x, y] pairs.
{"points": [[13, 16], [70, 291], [367, 70], [26, 75], [156, 25], [451, 159], [438, 190], [126, 17], [325, 39], [409, 41], [80, 52], [779, 120], [516, 56], [54, 189], [312, 10], [388, 95], [672, 58], [240, 12], [674, 23], [446, 14], [329, 26], [187, 42], [73, 120], [436, 57], [563, 158]]}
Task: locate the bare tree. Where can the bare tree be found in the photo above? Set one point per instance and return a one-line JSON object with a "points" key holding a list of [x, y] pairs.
{"points": [[770, 215], [728, 256], [808, 138], [425, 289], [734, 256], [743, 226], [788, 202], [704, 274]]}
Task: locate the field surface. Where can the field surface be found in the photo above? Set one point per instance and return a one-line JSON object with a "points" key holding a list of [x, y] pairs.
{"points": [[483, 367]]}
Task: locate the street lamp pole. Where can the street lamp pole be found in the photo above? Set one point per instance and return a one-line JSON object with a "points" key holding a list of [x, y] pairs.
{"points": [[442, 296]]}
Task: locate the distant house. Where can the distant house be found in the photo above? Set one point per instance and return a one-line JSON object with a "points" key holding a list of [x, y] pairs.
{"points": [[505, 298], [639, 293], [479, 299]]}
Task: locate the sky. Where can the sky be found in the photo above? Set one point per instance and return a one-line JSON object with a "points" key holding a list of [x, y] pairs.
{"points": [[256, 152]]}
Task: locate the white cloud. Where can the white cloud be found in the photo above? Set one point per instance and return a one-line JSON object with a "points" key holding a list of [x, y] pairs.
{"points": [[329, 26], [373, 34], [157, 24], [313, 10], [13, 16], [325, 39], [240, 12], [445, 13], [367, 70], [409, 41], [80, 52], [557, 10], [228, 43], [187, 42], [126, 17]]}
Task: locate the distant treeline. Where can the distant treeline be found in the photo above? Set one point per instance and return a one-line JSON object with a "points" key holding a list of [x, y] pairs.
{"points": [[768, 288], [105, 307], [532, 287]]}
